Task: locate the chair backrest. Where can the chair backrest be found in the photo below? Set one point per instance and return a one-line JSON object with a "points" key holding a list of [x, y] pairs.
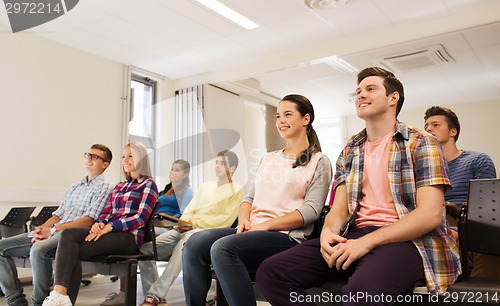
{"points": [[318, 225], [14, 222], [42, 216], [331, 196], [479, 222], [150, 234]]}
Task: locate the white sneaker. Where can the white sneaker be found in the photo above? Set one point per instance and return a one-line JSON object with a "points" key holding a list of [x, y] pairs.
{"points": [[57, 299], [114, 299]]}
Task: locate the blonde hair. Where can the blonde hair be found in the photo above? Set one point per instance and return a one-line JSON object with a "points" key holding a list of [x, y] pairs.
{"points": [[143, 165]]}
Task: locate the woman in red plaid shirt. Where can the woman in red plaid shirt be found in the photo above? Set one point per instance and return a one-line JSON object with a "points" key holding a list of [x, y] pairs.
{"points": [[119, 230]]}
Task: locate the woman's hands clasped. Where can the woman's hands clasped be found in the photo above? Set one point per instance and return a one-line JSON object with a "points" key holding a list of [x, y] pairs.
{"points": [[97, 230]]}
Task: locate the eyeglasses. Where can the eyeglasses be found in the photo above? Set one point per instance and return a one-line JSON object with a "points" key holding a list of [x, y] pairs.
{"points": [[93, 156]]}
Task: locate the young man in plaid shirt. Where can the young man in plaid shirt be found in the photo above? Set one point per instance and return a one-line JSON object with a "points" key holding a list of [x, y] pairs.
{"points": [[390, 182]]}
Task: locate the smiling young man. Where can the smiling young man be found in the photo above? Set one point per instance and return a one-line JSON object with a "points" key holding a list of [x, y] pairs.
{"points": [[81, 205], [463, 166], [390, 180]]}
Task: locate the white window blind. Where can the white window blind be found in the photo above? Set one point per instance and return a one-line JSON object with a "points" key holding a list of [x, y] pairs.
{"points": [[189, 130]]}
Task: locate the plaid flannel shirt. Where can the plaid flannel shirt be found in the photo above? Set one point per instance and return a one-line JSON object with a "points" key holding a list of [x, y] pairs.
{"points": [[130, 206], [415, 160]]}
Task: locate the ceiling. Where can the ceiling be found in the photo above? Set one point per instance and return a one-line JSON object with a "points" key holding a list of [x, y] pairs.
{"points": [[289, 52]]}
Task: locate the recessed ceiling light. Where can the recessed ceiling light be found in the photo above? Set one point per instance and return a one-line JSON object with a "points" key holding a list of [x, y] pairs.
{"points": [[228, 13], [335, 62], [342, 65], [326, 4]]}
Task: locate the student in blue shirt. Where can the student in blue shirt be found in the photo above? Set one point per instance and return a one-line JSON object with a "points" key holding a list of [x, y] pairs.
{"points": [[177, 194], [81, 206], [463, 165]]}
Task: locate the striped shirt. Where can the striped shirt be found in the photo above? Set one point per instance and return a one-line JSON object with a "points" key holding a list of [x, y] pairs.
{"points": [[130, 206], [415, 160], [85, 198], [467, 166]]}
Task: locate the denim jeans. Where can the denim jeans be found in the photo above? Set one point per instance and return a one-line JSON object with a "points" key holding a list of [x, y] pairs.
{"points": [[234, 258], [169, 247], [40, 253]]}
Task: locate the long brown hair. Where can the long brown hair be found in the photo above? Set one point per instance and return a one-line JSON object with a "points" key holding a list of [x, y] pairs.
{"points": [[304, 107], [180, 190]]}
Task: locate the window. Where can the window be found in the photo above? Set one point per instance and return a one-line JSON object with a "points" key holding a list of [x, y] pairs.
{"points": [[330, 137], [141, 121], [330, 134]]}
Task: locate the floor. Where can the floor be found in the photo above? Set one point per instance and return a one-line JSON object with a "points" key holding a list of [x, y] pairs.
{"points": [[101, 286]]}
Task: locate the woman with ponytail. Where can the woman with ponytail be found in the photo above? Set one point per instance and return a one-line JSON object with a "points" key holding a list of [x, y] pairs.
{"points": [[278, 212]]}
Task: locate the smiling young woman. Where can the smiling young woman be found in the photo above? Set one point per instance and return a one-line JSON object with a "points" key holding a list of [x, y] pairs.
{"points": [[278, 212]]}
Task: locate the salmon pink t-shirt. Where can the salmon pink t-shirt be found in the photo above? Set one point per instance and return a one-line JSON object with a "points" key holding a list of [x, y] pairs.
{"points": [[376, 207]]}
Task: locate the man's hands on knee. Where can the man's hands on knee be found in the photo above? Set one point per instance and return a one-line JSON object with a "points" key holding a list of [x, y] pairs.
{"points": [[40, 233], [328, 240], [340, 252]]}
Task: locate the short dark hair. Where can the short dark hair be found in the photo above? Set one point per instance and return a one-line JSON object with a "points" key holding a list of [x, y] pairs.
{"points": [[391, 83], [451, 117], [108, 156], [231, 157]]}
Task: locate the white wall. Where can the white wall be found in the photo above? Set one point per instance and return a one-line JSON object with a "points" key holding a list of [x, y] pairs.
{"points": [[55, 102], [165, 133], [254, 136], [224, 110], [479, 124]]}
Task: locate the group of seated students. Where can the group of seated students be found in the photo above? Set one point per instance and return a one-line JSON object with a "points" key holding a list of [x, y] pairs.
{"points": [[385, 231]]}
